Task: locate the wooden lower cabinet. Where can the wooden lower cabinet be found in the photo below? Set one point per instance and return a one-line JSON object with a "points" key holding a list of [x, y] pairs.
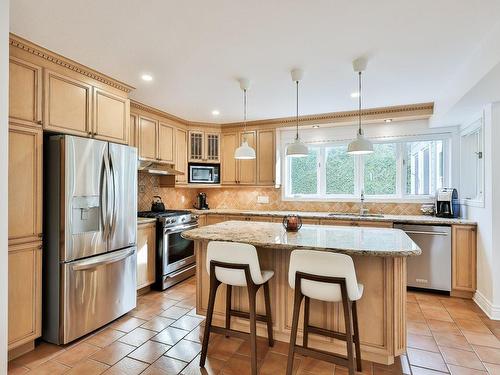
{"points": [[214, 219], [463, 260], [357, 223], [25, 293], [146, 254]]}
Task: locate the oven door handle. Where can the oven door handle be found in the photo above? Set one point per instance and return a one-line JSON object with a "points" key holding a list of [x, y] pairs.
{"points": [[180, 272], [180, 229]]}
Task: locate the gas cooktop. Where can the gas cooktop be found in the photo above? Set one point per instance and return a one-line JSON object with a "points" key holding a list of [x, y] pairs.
{"points": [[166, 213]]}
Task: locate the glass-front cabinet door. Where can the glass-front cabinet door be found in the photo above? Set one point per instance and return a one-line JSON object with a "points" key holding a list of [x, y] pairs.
{"points": [[204, 147]]}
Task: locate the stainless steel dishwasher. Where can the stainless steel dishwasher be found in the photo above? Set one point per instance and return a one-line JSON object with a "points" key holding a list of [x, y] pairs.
{"points": [[432, 269]]}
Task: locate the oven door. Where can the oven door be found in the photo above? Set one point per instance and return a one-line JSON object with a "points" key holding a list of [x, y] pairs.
{"points": [[201, 174], [177, 251]]}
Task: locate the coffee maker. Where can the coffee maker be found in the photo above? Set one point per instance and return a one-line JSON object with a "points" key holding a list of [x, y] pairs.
{"points": [[447, 204], [201, 202]]}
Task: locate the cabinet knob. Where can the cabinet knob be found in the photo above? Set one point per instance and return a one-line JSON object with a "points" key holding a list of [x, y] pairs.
{"points": [[39, 122]]}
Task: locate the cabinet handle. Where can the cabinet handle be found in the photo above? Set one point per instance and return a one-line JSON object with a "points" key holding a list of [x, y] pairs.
{"points": [[39, 122], [40, 247]]}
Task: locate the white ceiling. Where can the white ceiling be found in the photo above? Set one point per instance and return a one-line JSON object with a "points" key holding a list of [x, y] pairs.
{"points": [[195, 50]]}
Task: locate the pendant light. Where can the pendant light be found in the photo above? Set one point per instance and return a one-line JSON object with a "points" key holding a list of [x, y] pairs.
{"points": [[297, 149], [361, 145], [244, 152]]}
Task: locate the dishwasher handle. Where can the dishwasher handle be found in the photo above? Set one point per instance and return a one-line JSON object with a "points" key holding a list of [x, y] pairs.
{"points": [[424, 232]]}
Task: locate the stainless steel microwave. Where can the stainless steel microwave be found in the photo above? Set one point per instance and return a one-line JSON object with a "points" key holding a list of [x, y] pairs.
{"points": [[204, 173]]}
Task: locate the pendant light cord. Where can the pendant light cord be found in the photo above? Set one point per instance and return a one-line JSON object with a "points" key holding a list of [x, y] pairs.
{"points": [[297, 109], [244, 115], [360, 132]]}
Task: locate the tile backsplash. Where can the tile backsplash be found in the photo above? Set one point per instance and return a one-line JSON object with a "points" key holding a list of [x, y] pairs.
{"points": [[247, 199]]}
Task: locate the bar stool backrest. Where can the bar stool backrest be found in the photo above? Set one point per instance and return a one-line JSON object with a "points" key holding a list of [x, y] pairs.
{"points": [[234, 253], [322, 263]]}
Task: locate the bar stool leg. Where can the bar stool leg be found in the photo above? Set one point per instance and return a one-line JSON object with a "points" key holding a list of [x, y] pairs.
{"points": [[295, 324], [252, 293], [214, 285], [305, 334], [229, 289], [269, 317], [348, 332], [356, 336]]}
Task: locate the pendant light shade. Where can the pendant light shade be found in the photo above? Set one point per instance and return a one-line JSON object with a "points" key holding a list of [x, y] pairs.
{"points": [[297, 149], [244, 152], [361, 145]]}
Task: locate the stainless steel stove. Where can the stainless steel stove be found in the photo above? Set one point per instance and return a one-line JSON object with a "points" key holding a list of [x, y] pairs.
{"points": [[175, 260]]}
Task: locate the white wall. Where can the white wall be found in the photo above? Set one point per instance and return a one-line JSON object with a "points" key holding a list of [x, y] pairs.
{"points": [[4, 98]]}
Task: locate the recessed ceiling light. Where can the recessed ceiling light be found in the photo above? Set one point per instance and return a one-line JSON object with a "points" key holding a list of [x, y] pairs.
{"points": [[215, 112], [355, 95], [315, 126], [388, 120], [147, 77]]}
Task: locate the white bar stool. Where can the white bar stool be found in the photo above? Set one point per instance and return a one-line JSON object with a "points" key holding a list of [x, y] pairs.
{"points": [[326, 277], [237, 264]]}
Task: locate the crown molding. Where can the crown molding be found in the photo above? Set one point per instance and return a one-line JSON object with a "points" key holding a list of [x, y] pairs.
{"points": [[34, 49]]}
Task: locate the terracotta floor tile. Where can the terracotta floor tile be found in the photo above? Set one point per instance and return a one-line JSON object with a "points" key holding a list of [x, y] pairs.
{"points": [[196, 334], [137, 337], [441, 326], [482, 339], [418, 328], [149, 352], [127, 323], [111, 354], [486, 354], [458, 370], [238, 365], [174, 312], [405, 365], [187, 322], [41, 354], [184, 350], [493, 369], [426, 359], [212, 367], [187, 303], [165, 366], [76, 354], [461, 358], [105, 337], [127, 366], [463, 313], [158, 323], [192, 312], [170, 335], [262, 347], [88, 367], [436, 314], [452, 341], [223, 348], [50, 368], [314, 366], [424, 371], [422, 342], [275, 363], [13, 369], [472, 326]]}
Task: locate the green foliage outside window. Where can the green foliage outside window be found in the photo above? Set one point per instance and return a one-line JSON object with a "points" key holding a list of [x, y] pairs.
{"points": [[339, 171], [380, 170], [304, 173]]}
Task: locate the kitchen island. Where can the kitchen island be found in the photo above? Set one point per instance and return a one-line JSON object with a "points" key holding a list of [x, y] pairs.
{"points": [[379, 256]]}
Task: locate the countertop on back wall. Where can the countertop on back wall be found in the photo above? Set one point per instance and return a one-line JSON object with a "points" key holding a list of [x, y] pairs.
{"points": [[412, 219]]}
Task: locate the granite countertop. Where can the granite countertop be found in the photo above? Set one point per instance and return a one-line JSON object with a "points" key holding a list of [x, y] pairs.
{"points": [[384, 242], [144, 220], [413, 219]]}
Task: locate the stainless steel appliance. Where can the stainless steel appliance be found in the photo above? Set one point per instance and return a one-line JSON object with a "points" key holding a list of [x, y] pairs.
{"points": [[201, 202], [91, 231], [175, 259], [431, 269], [447, 204], [204, 173]]}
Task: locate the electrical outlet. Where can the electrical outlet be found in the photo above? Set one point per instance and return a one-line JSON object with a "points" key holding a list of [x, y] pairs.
{"points": [[264, 199], [142, 188]]}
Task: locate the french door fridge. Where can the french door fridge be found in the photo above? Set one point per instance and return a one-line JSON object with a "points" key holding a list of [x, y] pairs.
{"points": [[89, 264]]}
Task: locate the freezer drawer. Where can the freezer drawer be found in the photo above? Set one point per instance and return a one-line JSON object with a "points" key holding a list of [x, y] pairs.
{"points": [[97, 290], [431, 269]]}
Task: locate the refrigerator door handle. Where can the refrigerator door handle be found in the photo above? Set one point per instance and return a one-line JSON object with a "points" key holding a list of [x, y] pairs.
{"points": [[109, 188], [114, 198], [103, 260], [103, 201]]}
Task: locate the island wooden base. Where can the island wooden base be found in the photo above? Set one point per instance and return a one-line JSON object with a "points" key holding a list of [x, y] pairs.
{"points": [[381, 310]]}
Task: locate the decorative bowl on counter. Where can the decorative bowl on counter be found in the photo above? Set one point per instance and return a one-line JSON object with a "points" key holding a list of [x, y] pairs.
{"points": [[292, 223]]}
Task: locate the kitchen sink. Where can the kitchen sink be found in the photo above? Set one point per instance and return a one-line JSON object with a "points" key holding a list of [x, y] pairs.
{"points": [[340, 214]]}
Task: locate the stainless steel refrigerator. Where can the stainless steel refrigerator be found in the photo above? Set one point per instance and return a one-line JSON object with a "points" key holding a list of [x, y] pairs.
{"points": [[90, 217]]}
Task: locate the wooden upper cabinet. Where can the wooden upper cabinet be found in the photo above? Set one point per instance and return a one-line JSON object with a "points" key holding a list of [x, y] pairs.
{"points": [[463, 258], [166, 142], [204, 146], [25, 184], [265, 157], [212, 141], [25, 293], [111, 117], [25, 92], [229, 143], [67, 105], [181, 155], [247, 169], [132, 137], [147, 138]]}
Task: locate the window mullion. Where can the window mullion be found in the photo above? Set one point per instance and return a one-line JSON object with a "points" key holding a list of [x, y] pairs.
{"points": [[322, 172]]}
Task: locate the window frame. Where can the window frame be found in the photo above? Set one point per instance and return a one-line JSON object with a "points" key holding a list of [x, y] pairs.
{"points": [[359, 167], [475, 127]]}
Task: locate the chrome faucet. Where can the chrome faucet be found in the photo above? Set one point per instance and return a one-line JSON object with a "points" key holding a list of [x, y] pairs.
{"points": [[362, 209]]}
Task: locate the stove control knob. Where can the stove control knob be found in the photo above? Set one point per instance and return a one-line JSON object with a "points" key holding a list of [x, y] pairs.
{"points": [[183, 219]]}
